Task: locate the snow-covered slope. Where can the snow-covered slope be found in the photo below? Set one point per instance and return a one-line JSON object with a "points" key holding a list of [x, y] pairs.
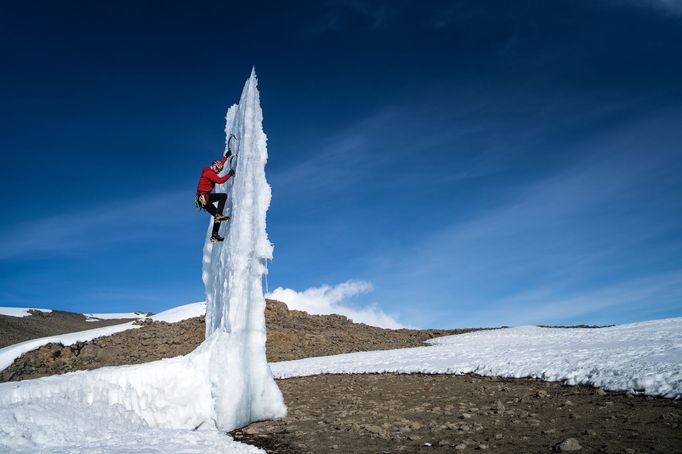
{"points": [[641, 357], [20, 311], [177, 314], [151, 408], [172, 315], [242, 385], [180, 313], [114, 316]]}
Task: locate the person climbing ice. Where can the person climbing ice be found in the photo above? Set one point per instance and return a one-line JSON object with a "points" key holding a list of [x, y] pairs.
{"points": [[206, 198]]}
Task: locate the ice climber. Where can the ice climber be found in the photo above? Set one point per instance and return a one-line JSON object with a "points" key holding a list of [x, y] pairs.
{"points": [[206, 198]]}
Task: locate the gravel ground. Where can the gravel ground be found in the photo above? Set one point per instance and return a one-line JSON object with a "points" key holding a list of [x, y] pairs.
{"points": [[390, 413]]}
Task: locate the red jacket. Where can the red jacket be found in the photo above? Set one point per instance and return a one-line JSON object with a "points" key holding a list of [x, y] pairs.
{"points": [[209, 178]]}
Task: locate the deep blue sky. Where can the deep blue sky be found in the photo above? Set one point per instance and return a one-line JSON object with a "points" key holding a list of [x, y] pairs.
{"points": [[478, 163]]}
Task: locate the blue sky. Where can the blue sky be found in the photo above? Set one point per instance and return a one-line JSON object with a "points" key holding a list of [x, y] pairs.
{"points": [[444, 163]]}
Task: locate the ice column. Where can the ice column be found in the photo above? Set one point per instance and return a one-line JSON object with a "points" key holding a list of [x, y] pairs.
{"points": [[242, 385]]}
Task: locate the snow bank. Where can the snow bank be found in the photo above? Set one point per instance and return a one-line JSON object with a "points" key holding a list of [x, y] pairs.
{"points": [[20, 311], [151, 407], [172, 315], [114, 316], [242, 385], [180, 313], [640, 357]]}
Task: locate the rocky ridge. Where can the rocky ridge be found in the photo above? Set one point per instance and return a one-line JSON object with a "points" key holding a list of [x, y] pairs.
{"points": [[291, 335], [42, 324]]}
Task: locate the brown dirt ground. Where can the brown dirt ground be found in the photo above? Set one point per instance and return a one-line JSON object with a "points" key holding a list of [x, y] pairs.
{"points": [[388, 413]]}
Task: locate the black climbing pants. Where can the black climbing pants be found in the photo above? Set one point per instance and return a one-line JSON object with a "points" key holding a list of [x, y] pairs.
{"points": [[214, 197]]}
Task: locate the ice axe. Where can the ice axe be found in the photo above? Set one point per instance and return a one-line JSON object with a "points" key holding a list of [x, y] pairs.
{"points": [[233, 157]]}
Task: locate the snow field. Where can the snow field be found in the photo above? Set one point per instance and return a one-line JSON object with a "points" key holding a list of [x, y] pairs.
{"points": [[641, 357], [114, 315], [180, 313], [20, 311], [173, 315]]}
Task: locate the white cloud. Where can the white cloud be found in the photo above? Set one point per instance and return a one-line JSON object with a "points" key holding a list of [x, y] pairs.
{"points": [[330, 300]]}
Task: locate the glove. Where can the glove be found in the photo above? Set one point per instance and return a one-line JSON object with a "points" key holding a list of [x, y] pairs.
{"points": [[228, 154], [231, 172]]}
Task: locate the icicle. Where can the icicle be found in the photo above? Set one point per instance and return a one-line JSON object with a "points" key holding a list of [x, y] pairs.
{"points": [[267, 271]]}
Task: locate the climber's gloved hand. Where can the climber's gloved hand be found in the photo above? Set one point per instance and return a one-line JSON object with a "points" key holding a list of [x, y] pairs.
{"points": [[231, 172], [228, 153]]}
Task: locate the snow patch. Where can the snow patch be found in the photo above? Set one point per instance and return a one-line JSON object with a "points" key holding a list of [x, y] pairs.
{"points": [[115, 316], [20, 311], [180, 313], [172, 315]]}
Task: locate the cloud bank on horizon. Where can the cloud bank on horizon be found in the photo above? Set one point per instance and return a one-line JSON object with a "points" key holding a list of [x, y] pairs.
{"points": [[328, 299]]}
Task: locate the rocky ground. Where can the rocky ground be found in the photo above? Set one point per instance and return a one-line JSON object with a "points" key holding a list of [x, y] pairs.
{"points": [[390, 413]]}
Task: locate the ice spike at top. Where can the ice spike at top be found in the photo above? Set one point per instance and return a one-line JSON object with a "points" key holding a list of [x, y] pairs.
{"points": [[242, 385]]}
